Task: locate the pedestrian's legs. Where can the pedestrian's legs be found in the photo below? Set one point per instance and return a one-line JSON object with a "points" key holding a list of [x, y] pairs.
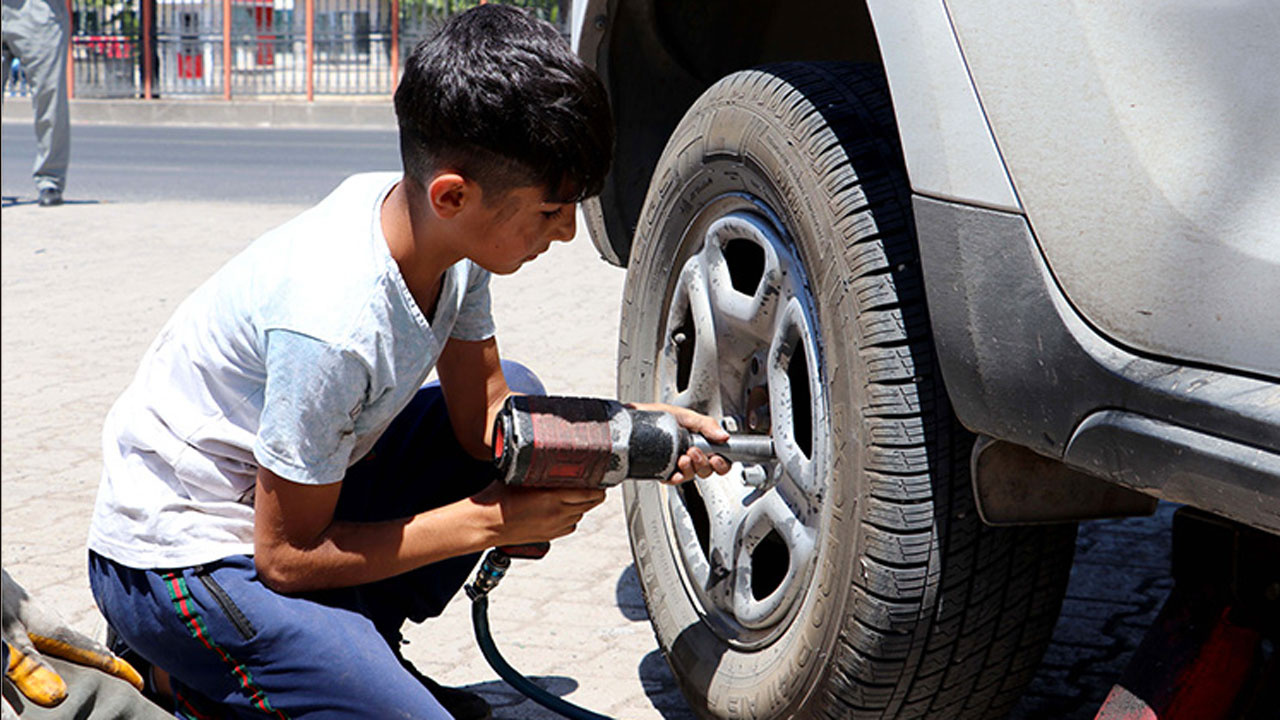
{"points": [[39, 36]]}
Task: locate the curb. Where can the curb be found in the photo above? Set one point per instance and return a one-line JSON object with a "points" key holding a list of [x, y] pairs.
{"points": [[371, 114]]}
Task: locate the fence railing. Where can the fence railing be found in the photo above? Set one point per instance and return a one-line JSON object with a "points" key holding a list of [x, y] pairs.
{"points": [[255, 48], [104, 48]]}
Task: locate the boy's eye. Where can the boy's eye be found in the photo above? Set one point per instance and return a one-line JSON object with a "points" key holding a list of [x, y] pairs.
{"points": [[551, 214]]}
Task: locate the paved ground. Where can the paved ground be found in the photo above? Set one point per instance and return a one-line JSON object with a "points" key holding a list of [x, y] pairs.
{"points": [[1118, 583], [85, 287]]}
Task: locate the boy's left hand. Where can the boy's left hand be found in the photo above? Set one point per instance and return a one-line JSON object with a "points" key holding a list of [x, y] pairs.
{"points": [[694, 463]]}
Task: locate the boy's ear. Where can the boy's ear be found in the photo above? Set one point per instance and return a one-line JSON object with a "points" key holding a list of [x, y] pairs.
{"points": [[449, 193]]}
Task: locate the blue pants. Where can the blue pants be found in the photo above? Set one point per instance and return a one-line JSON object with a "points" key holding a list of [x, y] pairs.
{"points": [[235, 647]]}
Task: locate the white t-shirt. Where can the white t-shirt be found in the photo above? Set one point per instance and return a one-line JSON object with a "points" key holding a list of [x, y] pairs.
{"points": [[295, 356]]}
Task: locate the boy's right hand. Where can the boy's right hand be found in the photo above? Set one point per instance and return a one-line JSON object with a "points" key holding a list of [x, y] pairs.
{"points": [[525, 515]]}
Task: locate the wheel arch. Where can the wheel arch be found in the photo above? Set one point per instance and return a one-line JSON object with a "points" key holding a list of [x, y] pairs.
{"points": [[657, 56]]}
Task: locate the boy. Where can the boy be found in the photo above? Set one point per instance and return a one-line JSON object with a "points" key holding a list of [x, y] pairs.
{"points": [[237, 543]]}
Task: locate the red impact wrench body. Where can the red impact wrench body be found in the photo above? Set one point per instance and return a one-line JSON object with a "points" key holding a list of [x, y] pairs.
{"points": [[571, 442]]}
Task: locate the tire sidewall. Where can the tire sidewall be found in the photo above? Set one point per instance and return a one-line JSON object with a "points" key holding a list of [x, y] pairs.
{"points": [[729, 144]]}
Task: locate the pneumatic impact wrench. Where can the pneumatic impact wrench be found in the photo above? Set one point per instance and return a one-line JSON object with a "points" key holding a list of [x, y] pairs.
{"points": [[567, 442]]}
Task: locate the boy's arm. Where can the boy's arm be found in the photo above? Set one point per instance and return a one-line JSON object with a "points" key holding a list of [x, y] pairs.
{"points": [[299, 547], [474, 390]]}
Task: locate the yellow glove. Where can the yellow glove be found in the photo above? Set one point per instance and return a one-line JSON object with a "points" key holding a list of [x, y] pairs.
{"points": [[30, 631]]}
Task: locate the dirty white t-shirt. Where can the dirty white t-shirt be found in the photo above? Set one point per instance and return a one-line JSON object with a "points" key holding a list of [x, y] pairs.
{"points": [[295, 356]]}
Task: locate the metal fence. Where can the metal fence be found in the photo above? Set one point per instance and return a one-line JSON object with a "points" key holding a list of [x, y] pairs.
{"points": [[104, 48], [274, 48]]}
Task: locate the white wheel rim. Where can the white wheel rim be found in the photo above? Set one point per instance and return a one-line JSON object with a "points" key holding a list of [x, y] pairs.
{"points": [[735, 326]]}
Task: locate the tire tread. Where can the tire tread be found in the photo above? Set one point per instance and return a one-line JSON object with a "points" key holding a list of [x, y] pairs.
{"points": [[985, 600]]}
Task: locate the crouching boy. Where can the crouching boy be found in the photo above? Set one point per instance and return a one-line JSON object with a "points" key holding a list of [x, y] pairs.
{"points": [[280, 491]]}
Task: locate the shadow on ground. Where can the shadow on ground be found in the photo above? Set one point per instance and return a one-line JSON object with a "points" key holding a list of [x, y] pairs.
{"points": [[655, 676], [1120, 578], [660, 687], [629, 596], [504, 699], [16, 201]]}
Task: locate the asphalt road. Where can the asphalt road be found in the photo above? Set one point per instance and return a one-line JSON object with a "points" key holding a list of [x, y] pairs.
{"points": [[112, 163]]}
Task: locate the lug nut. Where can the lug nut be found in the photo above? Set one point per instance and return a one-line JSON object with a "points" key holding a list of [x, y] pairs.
{"points": [[755, 475]]}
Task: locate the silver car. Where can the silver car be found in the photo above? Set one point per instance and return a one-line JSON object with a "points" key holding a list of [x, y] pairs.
{"points": [[982, 269]]}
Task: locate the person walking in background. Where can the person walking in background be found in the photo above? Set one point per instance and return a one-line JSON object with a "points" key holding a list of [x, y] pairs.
{"points": [[37, 32]]}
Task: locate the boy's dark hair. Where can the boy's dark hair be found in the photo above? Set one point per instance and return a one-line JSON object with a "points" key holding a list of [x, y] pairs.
{"points": [[499, 97]]}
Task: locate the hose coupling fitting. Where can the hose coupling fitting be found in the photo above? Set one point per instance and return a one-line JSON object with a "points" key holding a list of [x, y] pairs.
{"points": [[492, 569]]}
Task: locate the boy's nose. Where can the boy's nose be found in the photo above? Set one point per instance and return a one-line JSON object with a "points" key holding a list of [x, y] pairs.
{"points": [[569, 228]]}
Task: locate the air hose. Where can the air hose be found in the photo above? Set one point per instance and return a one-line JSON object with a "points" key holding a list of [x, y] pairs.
{"points": [[491, 572]]}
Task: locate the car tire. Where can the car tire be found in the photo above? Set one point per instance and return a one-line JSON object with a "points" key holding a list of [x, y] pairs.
{"points": [[774, 282]]}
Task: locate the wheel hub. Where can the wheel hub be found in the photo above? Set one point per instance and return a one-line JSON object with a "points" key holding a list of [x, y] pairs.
{"points": [[741, 342]]}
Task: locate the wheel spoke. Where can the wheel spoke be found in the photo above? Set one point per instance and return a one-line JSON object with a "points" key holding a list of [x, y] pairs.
{"points": [[690, 376], [792, 397], [707, 513], [744, 275], [685, 524], [763, 583], [726, 513]]}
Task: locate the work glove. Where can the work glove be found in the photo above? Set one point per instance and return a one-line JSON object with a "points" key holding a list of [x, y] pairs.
{"points": [[30, 631]]}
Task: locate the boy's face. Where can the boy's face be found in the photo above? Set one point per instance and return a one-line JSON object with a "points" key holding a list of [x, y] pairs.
{"points": [[517, 228]]}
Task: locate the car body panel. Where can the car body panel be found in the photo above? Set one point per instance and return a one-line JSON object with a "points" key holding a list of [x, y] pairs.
{"points": [[1143, 141], [946, 143]]}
